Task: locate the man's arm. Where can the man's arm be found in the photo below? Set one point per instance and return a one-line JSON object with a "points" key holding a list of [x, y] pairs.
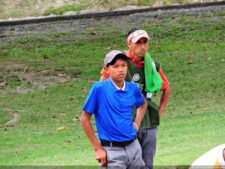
{"points": [[103, 78], [140, 114], [104, 74], [88, 129], [164, 100]]}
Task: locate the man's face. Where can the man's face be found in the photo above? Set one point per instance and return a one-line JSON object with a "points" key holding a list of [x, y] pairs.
{"points": [[118, 71], [139, 48]]}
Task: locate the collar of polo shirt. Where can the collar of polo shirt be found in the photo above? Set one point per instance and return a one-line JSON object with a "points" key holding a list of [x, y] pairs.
{"points": [[123, 88]]}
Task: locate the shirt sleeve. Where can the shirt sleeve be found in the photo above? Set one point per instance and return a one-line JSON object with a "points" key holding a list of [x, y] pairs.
{"points": [[165, 82], [91, 102], [139, 97], [104, 73]]}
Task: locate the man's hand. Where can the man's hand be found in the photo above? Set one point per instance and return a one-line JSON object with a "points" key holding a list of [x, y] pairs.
{"points": [[101, 156]]}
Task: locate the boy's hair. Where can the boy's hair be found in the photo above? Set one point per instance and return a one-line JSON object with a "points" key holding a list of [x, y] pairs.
{"points": [[119, 56]]}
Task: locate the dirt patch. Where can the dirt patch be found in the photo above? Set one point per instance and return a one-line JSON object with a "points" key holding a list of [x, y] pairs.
{"points": [[16, 117], [21, 78]]}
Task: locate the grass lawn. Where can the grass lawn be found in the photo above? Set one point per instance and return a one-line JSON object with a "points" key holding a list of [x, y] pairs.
{"points": [[33, 8], [47, 79]]}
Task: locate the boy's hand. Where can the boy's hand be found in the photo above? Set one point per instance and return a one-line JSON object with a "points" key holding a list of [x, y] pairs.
{"points": [[101, 156], [136, 126]]}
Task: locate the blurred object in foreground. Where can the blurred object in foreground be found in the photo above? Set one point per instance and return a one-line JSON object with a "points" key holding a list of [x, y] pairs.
{"points": [[213, 159]]}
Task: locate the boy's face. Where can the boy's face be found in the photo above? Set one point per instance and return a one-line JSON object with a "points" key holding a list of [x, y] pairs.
{"points": [[139, 48], [118, 71]]}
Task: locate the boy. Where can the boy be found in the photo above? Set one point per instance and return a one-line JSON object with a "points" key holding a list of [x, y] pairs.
{"points": [[111, 102]]}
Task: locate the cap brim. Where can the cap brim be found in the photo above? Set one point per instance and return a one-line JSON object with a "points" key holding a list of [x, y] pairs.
{"points": [[135, 39]]}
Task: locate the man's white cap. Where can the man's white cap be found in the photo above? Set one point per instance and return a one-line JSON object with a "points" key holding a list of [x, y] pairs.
{"points": [[136, 35], [111, 55]]}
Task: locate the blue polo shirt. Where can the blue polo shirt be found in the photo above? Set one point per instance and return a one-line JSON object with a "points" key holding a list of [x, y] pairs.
{"points": [[113, 109]]}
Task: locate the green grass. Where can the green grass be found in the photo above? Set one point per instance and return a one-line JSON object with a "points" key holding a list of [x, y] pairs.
{"points": [[193, 121], [5, 116], [27, 8], [35, 140], [61, 10], [145, 2]]}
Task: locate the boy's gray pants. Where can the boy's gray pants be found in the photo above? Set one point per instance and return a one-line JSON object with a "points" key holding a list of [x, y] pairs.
{"points": [[128, 157]]}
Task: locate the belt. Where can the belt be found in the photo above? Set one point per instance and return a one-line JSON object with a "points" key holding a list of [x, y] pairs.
{"points": [[117, 144]]}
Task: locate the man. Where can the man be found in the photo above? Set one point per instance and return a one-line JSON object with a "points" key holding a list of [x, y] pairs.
{"points": [[148, 81], [112, 104]]}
